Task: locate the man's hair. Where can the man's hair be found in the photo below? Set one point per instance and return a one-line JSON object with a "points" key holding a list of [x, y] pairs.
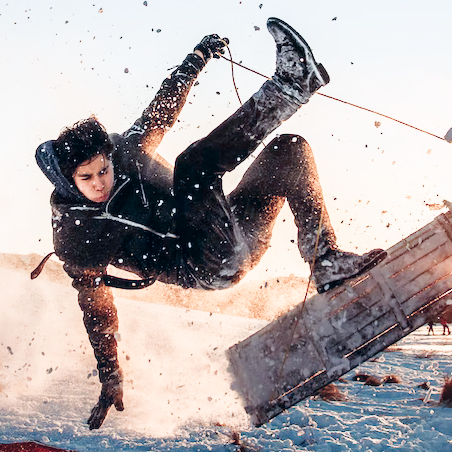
{"points": [[83, 141]]}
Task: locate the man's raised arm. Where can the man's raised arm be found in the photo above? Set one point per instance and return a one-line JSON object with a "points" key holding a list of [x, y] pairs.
{"points": [[148, 131]]}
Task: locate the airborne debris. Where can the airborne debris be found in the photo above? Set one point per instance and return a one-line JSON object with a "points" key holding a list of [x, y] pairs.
{"points": [[434, 206]]}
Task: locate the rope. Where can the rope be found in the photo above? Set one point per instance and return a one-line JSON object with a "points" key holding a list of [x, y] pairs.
{"points": [[336, 99], [232, 73], [381, 114], [244, 67], [286, 355]]}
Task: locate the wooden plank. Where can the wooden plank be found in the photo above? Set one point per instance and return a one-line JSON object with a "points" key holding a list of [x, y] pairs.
{"points": [[445, 221], [433, 308], [410, 272], [266, 411], [377, 326], [359, 323], [392, 297], [384, 312], [390, 336], [439, 289], [426, 279], [330, 334], [411, 242], [349, 306], [441, 223], [409, 257], [263, 412], [262, 356]]}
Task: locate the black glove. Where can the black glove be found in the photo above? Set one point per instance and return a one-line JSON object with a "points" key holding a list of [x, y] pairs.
{"points": [[111, 395], [212, 46]]}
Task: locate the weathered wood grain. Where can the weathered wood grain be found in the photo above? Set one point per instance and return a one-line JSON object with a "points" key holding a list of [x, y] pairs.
{"points": [[315, 343]]}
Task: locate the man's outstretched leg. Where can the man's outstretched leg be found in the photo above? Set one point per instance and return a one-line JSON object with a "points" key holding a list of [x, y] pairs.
{"points": [[297, 77], [286, 169], [210, 235]]}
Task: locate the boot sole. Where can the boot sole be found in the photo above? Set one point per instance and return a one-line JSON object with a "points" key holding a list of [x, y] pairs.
{"points": [[333, 284], [300, 43]]}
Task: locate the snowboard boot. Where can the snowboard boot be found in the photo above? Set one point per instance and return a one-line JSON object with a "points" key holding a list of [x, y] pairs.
{"points": [[297, 72], [335, 267]]}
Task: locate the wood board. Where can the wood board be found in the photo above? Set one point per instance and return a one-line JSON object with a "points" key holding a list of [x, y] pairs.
{"points": [[331, 333]]}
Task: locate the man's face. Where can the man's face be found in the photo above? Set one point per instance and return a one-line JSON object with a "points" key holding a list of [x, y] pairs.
{"points": [[94, 178]]}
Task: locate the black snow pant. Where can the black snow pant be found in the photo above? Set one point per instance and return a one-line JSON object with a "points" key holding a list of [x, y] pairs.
{"points": [[224, 237]]}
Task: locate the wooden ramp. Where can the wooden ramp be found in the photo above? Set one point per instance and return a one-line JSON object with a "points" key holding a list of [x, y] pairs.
{"points": [[331, 333]]}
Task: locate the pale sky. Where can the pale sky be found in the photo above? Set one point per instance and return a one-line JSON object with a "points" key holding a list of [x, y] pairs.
{"points": [[63, 61]]}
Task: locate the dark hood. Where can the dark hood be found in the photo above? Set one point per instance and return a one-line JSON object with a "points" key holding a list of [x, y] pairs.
{"points": [[47, 161]]}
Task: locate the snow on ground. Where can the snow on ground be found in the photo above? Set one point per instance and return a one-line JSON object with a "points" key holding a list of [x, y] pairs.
{"points": [[177, 389]]}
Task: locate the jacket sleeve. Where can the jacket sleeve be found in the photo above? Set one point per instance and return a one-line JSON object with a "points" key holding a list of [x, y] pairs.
{"points": [[100, 318], [148, 131]]}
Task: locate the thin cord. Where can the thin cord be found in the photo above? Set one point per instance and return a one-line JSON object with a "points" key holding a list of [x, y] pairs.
{"points": [[232, 72], [286, 355], [384, 116], [342, 101], [244, 67]]}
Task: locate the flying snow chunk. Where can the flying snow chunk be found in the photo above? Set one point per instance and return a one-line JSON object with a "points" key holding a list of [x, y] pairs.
{"points": [[448, 136]]}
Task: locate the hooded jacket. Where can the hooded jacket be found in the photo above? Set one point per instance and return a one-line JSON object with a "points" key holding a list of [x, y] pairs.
{"points": [[134, 229]]}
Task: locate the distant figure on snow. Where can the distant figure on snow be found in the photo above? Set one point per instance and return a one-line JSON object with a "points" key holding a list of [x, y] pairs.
{"points": [[430, 324], [443, 322], [117, 202]]}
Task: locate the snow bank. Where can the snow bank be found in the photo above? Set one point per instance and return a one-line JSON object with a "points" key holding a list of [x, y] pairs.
{"points": [[177, 389]]}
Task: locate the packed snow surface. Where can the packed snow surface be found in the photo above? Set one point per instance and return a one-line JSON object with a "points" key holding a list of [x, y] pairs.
{"points": [[177, 385]]}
